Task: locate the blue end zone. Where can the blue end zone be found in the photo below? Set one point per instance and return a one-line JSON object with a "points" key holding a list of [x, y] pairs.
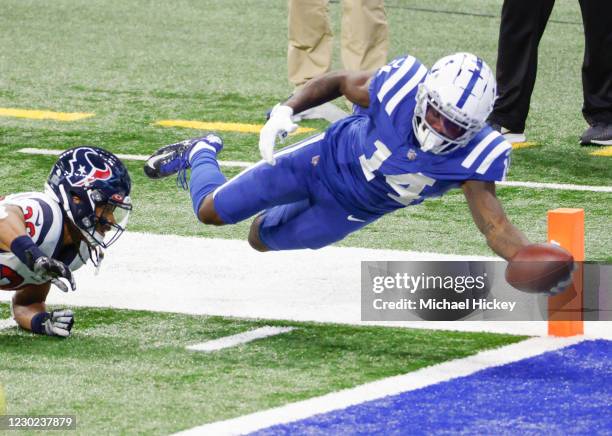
{"points": [[560, 392]]}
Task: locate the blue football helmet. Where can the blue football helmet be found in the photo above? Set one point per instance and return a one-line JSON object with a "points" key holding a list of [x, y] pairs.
{"points": [[93, 187]]}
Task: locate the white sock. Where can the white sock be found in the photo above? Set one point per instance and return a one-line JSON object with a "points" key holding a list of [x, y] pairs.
{"points": [[201, 146]]}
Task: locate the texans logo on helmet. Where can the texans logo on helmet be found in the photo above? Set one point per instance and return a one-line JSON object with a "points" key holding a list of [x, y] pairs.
{"points": [[86, 167]]}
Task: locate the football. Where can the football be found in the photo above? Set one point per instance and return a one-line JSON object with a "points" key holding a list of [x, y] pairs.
{"points": [[538, 268]]}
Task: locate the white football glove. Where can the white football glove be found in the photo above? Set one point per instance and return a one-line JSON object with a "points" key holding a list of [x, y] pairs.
{"points": [[59, 323], [278, 125]]}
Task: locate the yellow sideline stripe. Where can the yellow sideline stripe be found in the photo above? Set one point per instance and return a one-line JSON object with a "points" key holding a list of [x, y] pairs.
{"points": [[44, 115], [606, 151], [219, 126], [516, 145]]}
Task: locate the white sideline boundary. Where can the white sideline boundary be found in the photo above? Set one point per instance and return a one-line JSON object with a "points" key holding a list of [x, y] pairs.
{"points": [[240, 164], [224, 277], [7, 323], [202, 276], [239, 339], [389, 386]]}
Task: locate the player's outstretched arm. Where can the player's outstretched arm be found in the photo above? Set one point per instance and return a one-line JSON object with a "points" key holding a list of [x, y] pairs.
{"points": [[352, 84], [502, 236], [30, 312]]}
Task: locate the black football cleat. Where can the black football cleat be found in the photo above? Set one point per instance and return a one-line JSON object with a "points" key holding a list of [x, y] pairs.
{"points": [[174, 158]]}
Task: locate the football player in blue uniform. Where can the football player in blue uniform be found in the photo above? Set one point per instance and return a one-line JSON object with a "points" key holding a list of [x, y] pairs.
{"points": [[46, 236], [415, 134]]}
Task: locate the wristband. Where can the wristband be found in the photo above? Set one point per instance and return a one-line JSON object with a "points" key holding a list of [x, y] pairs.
{"points": [[37, 324], [26, 250]]}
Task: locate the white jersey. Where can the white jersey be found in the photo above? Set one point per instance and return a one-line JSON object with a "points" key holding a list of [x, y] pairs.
{"points": [[44, 222]]}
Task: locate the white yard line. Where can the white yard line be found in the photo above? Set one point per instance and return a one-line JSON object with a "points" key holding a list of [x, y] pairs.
{"points": [[382, 388], [231, 163], [7, 323], [142, 157], [239, 339], [559, 186]]}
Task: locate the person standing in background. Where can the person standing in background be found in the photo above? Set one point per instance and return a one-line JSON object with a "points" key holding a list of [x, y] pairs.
{"points": [[522, 25], [364, 44]]}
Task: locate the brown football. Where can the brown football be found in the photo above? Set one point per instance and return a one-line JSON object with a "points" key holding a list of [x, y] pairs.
{"points": [[539, 267]]}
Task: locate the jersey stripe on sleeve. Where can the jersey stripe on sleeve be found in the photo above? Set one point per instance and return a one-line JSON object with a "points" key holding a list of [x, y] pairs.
{"points": [[479, 149], [396, 77], [494, 154], [404, 90]]}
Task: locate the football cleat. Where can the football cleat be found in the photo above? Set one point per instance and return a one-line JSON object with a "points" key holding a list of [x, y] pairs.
{"points": [[174, 158]]}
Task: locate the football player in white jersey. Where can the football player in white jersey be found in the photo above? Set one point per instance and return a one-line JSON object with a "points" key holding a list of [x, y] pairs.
{"points": [[46, 236]]}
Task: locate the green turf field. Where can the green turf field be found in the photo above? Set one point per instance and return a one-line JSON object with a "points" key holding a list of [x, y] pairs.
{"points": [[135, 62], [129, 372]]}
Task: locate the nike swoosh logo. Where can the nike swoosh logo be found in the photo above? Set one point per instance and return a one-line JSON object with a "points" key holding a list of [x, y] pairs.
{"points": [[352, 218], [154, 159]]}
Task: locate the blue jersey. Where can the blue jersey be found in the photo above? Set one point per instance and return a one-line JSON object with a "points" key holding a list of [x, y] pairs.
{"points": [[372, 161]]}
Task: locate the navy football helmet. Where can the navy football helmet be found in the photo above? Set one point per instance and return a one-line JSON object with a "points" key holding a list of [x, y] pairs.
{"points": [[93, 187]]}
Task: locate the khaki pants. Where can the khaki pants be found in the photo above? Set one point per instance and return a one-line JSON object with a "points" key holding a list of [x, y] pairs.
{"points": [[364, 39]]}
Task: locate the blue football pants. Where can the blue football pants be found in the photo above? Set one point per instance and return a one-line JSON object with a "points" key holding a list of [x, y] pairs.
{"points": [[298, 209]]}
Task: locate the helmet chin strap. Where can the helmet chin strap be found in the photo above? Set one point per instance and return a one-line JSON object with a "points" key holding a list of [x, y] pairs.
{"points": [[96, 255], [428, 140], [78, 236], [63, 201]]}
